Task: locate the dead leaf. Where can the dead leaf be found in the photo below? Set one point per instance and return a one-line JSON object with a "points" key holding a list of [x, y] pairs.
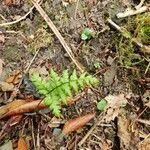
{"points": [[22, 145], [10, 2], [39, 70], [77, 123], [10, 106], [4, 86], [7, 146], [1, 66], [114, 103], [14, 78], [128, 134], [144, 145], [25, 107]]}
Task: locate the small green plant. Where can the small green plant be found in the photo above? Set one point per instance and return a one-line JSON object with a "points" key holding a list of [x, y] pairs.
{"points": [[101, 104], [57, 89], [87, 34]]}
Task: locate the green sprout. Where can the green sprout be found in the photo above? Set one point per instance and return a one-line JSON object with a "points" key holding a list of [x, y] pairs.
{"points": [[87, 34]]}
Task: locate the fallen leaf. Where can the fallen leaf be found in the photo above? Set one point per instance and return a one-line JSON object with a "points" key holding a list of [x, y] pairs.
{"points": [[10, 106], [144, 145], [25, 107], [14, 78], [22, 145], [7, 146], [1, 66], [77, 123], [114, 103], [4, 86], [128, 134]]}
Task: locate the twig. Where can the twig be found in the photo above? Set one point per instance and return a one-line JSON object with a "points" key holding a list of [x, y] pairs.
{"points": [[91, 130], [28, 67], [143, 47], [38, 138], [144, 121], [3, 17], [58, 35], [33, 135], [147, 68], [140, 4], [132, 12], [76, 9]]}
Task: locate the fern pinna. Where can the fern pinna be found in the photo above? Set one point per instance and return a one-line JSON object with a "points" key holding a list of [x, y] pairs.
{"points": [[57, 89]]}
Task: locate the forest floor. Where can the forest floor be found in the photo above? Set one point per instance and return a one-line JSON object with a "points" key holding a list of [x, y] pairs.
{"points": [[115, 51]]}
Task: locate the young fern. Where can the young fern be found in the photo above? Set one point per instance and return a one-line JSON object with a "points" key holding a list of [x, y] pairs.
{"points": [[57, 89]]}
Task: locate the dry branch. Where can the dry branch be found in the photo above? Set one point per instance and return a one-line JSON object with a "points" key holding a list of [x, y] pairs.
{"points": [[132, 12]]}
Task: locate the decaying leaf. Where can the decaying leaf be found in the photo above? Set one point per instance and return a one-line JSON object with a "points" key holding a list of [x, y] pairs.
{"points": [[114, 103], [10, 106], [14, 78], [144, 145], [4, 86], [25, 107], [22, 145], [7, 146], [77, 123], [128, 136]]}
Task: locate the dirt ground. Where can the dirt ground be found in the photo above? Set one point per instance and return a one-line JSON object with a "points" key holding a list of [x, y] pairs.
{"points": [[125, 128]]}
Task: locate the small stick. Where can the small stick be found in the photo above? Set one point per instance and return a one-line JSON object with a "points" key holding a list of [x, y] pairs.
{"points": [[38, 138], [91, 130], [76, 9], [132, 12], [140, 4], [58, 35]]}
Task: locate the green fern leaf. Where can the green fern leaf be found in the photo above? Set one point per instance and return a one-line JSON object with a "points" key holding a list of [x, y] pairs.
{"points": [[57, 89]]}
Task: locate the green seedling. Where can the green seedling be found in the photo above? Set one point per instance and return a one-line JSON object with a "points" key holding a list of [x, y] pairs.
{"points": [[101, 104], [87, 34]]}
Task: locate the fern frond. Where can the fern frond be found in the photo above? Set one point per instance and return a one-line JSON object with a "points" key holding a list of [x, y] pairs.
{"points": [[57, 88]]}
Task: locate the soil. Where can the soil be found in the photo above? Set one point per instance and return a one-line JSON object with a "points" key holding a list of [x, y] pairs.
{"points": [[99, 57]]}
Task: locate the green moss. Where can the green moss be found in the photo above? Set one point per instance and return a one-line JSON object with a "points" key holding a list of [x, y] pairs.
{"points": [[137, 27]]}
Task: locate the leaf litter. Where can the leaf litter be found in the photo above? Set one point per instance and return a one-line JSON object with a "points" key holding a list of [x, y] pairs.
{"points": [[123, 117]]}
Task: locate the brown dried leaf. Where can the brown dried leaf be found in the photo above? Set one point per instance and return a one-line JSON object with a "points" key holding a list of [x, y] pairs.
{"points": [[144, 145], [114, 103], [14, 78], [26, 107], [22, 145], [77, 123], [4, 86], [128, 134], [10, 106]]}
